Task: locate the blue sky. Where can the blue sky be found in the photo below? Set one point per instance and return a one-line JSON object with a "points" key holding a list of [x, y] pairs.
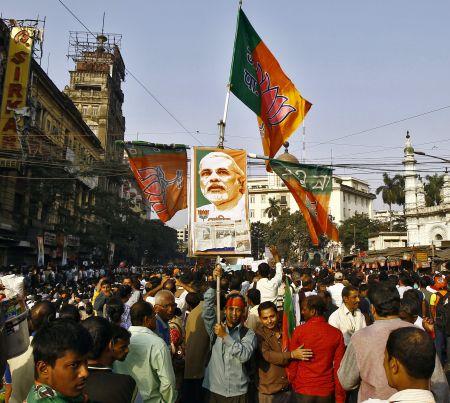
{"points": [[362, 64]]}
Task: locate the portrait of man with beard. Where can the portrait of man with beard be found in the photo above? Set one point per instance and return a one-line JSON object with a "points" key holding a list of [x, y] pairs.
{"points": [[222, 182]]}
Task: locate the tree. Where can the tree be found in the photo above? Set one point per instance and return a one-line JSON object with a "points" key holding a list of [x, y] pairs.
{"points": [[290, 234], [274, 208], [359, 228], [393, 192], [433, 189], [258, 231]]}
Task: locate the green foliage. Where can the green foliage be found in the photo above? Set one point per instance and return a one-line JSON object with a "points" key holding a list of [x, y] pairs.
{"points": [[290, 234], [433, 189], [259, 232], [392, 191], [274, 208], [361, 227]]}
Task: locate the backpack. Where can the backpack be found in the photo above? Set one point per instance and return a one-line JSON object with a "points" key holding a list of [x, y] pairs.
{"points": [[441, 311]]}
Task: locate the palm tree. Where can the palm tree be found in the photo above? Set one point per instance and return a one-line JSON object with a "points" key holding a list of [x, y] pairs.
{"points": [[392, 191], [274, 208], [433, 189]]}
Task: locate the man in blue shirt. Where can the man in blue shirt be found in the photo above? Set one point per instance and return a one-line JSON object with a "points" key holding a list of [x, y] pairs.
{"points": [[165, 310], [226, 377]]}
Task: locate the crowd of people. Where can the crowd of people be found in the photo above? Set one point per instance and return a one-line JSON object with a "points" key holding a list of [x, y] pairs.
{"points": [[153, 335]]}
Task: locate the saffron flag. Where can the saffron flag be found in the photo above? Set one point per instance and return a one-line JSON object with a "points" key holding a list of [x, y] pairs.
{"points": [[311, 187], [259, 82], [288, 317], [161, 173]]}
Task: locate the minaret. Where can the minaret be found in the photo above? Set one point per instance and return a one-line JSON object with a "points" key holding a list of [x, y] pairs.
{"points": [[411, 205]]}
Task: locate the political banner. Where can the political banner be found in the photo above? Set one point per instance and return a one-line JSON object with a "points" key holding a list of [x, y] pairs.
{"points": [[219, 202]]}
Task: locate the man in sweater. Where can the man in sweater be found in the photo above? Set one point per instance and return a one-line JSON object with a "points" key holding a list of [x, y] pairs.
{"points": [[409, 362], [363, 360]]}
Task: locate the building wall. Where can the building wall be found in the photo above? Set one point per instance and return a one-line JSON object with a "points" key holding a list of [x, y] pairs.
{"points": [[348, 197], [388, 240]]}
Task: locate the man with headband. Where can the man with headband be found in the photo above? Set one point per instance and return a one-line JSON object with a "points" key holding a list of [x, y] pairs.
{"points": [[226, 378]]}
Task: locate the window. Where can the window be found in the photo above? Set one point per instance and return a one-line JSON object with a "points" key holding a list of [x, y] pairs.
{"points": [[252, 199], [283, 200], [263, 198], [94, 110], [252, 213], [344, 196], [85, 110]]}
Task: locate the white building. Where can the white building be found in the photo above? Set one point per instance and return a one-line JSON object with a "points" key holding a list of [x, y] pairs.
{"points": [[348, 197], [183, 237], [425, 225], [384, 215], [386, 240]]}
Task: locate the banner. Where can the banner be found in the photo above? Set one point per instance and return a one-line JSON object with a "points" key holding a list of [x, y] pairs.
{"points": [[219, 202], [41, 253], [161, 173], [259, 82], [311, 187], [15, 85]]}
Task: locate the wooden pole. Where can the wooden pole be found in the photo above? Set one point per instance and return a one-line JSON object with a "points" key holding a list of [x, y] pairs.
{"points": [[218, 316]]}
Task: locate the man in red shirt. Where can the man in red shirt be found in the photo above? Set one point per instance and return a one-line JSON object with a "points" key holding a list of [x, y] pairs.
{"points": [[316, 381]]}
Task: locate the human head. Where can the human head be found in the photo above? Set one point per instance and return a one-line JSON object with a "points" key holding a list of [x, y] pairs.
{"points": [[312, 306], [127, 281], [384, 298], [338, 277], [143, 314], [254, 296], [100, 330], [106, 287], [115, 309], [193, 299], [234, 309], [165, 305], [125, 293], [363, 290], [409, 358], [264, 270], [42, 313], [60, 350], [120, 342], [409, 309], [170, 285], [268, 314], [69, 311], [221, 179], [350, 297]]}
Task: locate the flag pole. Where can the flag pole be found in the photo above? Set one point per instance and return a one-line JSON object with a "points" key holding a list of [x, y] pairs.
{"points": [[218, 318], [222, 123]]}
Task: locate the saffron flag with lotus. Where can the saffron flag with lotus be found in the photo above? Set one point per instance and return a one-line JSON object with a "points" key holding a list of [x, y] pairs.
{"points": [[161, 172], [311, 187], [259, 82]]}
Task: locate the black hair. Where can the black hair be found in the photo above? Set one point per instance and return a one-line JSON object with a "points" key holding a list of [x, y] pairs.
{"points": [[119, 333], [69, 311], [264, 269], [235, 283], [139, 311], [385, 298], [414, 349], [42, 313], [317, 303], [410, 306], [89, 308], [55, 339], [193, 299], [101, 332], [125, 291], [266, 305], [115, 309], [254, 295], [363, 287], [347, 290]]}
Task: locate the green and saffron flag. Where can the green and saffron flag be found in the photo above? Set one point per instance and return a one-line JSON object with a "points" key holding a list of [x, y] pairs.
{"points": [[288, 317], [311, 187], [259, 82]]}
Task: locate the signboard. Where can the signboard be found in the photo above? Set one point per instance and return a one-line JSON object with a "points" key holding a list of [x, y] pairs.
{"points": [[73, 240], [219, 202], [422, 257], [15, 85]]}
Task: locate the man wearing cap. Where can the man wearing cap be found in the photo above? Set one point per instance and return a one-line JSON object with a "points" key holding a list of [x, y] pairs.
{"points": [[226, 379], [336, 289]]}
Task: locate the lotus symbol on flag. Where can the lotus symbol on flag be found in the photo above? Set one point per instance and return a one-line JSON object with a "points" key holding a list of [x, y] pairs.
{"points": [[154, 185], [203, 214], [273, 105]]}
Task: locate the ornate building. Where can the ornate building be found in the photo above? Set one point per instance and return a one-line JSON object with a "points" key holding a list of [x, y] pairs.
{"points": [[425, 225]]}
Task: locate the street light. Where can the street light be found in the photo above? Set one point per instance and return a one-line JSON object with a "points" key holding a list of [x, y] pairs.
{"points": [[431, 156]]}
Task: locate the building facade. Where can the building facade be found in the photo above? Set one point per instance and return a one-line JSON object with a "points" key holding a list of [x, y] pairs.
{"points": [[349, 196], [45, 187], [425, 225], [384, 240]]}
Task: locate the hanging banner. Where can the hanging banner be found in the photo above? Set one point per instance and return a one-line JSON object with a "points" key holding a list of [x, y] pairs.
{"points": [[15, 85], [219, 202], [64, 252], [161, 173], [41, 252]]}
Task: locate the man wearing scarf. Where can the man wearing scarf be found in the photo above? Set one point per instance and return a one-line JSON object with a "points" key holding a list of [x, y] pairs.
{"points": [[226, 377]]}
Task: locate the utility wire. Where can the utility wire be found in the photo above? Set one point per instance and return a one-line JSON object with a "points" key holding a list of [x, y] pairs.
{"points": [[137, 80]]}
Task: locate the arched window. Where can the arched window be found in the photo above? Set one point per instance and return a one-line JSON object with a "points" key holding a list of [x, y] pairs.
{"points": [[438, 237]]}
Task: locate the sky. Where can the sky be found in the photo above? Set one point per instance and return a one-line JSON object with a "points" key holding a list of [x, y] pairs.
{"points": [[363, 65]]}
